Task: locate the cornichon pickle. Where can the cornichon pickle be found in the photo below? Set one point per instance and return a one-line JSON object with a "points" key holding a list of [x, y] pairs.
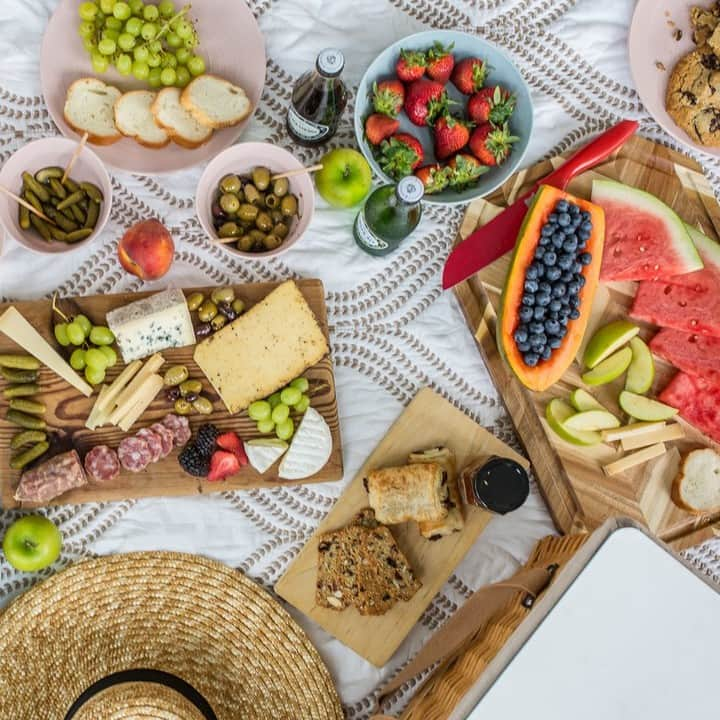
{"points": [[26, 390], [71, 199], [58, 234], [182, 407], [77, 213], [27, 437], [92, 215], [221, 295], [23, 217], [14, 375], [23, 420], [32, 407], [61, 220], [80, 234], [190, 386], [203, 405], [20, 362], [52, 172], [280, 187], [33, 199], [41, 226], [175, 375], [92, 191], [19, 461], [261, 178], [207, 311], [218, 322], [38, 188], [58, 189], [71, 185]]}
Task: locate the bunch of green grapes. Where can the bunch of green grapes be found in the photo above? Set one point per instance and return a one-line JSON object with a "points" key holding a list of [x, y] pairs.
{"points": [[273, 414], [154, 43], [92, 352]]}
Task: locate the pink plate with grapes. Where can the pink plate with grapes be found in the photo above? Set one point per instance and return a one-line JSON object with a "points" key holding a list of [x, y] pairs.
{"points": [[230, 42]]}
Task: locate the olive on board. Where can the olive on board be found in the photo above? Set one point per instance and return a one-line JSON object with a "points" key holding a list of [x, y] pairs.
{"points": [[190, 386], [222, 295], [218, 322], [175, 375], [194, 301], [238, 305], [207, 311], [203, 405]]}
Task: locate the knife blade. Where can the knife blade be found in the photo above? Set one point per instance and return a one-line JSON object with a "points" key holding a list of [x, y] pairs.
{"points": [[497, 237]]}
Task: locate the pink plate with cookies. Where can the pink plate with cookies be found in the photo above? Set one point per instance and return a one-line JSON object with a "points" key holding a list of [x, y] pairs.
{"points": [[230, 43], [661, 34]]}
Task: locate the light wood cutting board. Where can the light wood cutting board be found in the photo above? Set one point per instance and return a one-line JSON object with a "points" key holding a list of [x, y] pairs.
{"points": [[428, 421]]}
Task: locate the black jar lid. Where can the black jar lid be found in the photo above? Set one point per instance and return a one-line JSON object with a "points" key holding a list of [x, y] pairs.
{"points": [[501, 485]]}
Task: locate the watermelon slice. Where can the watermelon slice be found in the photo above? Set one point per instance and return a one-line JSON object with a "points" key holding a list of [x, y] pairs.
{"points": [[698, 402], [644, 238], [697, 355], [690, 302]]}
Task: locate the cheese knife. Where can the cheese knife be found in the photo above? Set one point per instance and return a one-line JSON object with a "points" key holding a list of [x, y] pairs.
{"points": [[498, 236]]}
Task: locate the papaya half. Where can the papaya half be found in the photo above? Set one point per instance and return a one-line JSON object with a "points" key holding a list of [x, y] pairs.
{"points": [[539, 370]]}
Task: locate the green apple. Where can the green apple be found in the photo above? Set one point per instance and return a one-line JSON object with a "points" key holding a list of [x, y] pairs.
{"points": [[32, 543], [582, 400], [345, 178], [641, 372], [557, 413], [607, 340], [592, 420], [609, 369], [645, 409]]}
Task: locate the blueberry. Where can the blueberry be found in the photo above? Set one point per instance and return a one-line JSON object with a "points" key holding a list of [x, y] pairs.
{"points": [[528, 300], [538, 340], [539, 313], [563, 330], [544, 240], [555, 306], [564, 314], [546, 353], [573, 287], [552, 327], [564, 220], [553, 218], [523, 347], [521, 334], [566, 261], [574, 314], [535, 327], [570, 244], [557, 240], [565, 300], [567, 276], [562, 205], [585, 215], [577, 267], [531, 359], [526, 313], [550, 257], [576, 222], [544, 286], [540, 251], [532, 272], [542, 299], [584, 258], [553, 316], [574, 301], [553, 273], [581, 279], [554, 343], [531, 286], [559, 290], [583, 235], [547, 231]]}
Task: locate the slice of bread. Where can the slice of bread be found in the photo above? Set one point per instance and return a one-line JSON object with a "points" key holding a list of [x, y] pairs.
{"points": [[89, 108], [697, 486], [215, 102], [134, 119], [179, 122]]}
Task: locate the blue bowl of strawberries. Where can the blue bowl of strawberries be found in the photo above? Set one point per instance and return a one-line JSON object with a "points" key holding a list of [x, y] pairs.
{"points": [[448, 107]]}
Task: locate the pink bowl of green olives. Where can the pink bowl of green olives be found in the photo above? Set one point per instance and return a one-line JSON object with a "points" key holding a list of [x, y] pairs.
{"points": [[244, 207]]}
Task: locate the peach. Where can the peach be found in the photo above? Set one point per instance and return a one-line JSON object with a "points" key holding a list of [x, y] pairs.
{"points": [[147, 250]]}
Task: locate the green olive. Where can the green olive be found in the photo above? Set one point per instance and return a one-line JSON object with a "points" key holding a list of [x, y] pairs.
{"points": [[207, 311], [238, 306], [271, 242], [175, 375], [230, 184], [228, 229], [203, 405], [263, 222], [257, 237], [289, 206], [222, 295], [190, 386], [245, 243], [194, 301], [277, 216], [261, 178], [247, 212], [218, 322], [281, 230], [182, 407], [281, 187], [229, 203], [252, 194], [271, 201]]}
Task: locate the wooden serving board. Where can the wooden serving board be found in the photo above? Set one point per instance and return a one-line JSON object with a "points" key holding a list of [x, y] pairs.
{"points": [[428, 421], [580, 496], [67, 409]]}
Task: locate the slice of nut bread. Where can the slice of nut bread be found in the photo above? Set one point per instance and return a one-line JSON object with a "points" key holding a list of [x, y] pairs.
{"points": [[89, 108], [215, 102], [133, 118], [178, 121], [697, 486]]}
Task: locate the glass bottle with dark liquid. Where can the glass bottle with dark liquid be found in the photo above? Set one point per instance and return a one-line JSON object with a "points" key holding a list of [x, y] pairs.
{"points": [[318, 100]]}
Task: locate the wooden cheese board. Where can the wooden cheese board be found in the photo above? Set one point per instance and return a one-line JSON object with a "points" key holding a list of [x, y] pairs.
{"points": [[68, 410], [377, 637], [579, 494]]}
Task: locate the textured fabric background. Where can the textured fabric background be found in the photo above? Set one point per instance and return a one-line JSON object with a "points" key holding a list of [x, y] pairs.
{"points": [[393, 330]]}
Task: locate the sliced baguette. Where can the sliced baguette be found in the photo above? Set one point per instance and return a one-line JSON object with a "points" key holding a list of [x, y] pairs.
{"points": [[215, 102], [697, 486], [89, 108], [179, 122], [134, 119]]}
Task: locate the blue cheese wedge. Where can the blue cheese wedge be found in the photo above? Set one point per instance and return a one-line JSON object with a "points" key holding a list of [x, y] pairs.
{"points": [[263, 454], [152, 324], [310, 448]]}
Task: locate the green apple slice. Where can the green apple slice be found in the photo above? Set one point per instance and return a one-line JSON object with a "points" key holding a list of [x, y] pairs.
{"points": [[592, 420], [641, 373], [557, 413], [609, 369], [582, 401], [643, 408], [607, 340]]}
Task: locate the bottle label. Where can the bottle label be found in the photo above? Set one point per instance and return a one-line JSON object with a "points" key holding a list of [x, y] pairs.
{"points": [[366, 236], [304, 128]]}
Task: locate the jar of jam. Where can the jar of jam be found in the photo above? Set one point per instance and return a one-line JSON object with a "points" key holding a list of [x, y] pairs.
{"points": [[318, 100], [497, 484]]}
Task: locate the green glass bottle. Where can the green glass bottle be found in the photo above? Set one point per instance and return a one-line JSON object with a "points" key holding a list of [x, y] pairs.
{"points": [[390, 214]]}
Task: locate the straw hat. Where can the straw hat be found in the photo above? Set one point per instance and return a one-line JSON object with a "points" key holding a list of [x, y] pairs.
{"points": [[157, 635]]}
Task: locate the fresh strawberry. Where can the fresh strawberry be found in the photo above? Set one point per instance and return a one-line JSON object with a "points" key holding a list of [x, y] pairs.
{"points": [[388, 97], [464, 171], [440, 62], [435, 178], [223, 464], [400, 155], [469, 75], [232, 443], [491, 145], [425, 100], [451, 135], [491, 104], [410, 65], [380, 127]]}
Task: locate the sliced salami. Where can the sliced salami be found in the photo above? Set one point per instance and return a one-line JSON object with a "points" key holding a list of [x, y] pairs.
{"points": [[134, 454], [102, 463], [180, 428], [166, 436], [154, 442]]}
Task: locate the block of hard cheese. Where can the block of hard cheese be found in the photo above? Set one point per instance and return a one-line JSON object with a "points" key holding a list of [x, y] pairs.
{"points": [[264, 349]]}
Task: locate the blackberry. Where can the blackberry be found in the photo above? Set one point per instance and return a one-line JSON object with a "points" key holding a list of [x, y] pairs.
{"points": [[193, 462], [205, 440]]}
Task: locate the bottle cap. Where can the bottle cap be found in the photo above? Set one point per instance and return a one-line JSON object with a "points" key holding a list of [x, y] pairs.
{"points": [[410, 189], [500, 485], [330, 62]]}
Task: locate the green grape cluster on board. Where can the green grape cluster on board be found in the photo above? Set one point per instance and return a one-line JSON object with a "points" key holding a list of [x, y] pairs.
{"points": [[93, 353], [273, 414], [154, 43]]}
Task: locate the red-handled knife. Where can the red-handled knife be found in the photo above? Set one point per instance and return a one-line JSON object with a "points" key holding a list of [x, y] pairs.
{"points": [[498, 236]]}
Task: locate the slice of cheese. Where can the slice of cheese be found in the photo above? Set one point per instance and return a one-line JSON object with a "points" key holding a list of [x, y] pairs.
{"points": [[96, 412], [107, 401], [151, 366], [627, 431], [145, 396], [18, 329], [263, 454], [263, 350], [152, 324], [128, 400], [663, 434], [310, 448], [634, 459]]}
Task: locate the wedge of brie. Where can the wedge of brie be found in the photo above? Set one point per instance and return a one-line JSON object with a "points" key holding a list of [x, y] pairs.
{"points": [[263, 454], [310, 448]]}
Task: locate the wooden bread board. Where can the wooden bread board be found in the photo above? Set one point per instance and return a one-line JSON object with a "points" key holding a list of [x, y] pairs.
{"points": [[67, 409], [428, 421], [580, 496]]}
